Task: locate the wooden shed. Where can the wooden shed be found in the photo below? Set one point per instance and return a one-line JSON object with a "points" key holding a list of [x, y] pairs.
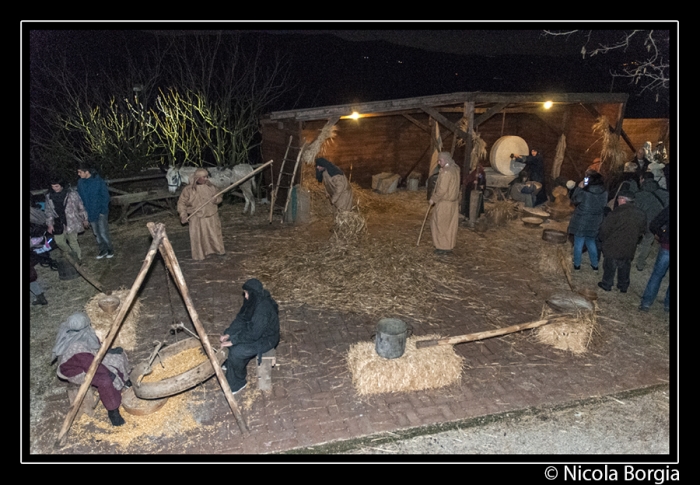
{"points": [[397, 135]]}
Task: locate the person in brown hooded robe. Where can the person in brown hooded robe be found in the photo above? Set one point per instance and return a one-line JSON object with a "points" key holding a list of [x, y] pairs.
{"points": [[205, 225], [445, 219], [336, 184]]}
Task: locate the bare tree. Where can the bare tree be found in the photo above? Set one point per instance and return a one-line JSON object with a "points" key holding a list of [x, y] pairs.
{"points": [[647, 65], [230, 87]]}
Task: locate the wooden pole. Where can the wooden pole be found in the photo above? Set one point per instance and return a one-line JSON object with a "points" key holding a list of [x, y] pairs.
{"points": [[279, 178], [483, 335], [235, 184], [423, 226], [158, 235], [89, 279], [166, 250]]}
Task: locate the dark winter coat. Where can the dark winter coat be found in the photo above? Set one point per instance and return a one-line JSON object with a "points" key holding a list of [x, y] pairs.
{"points": [[621, 231], [660, 226], [257, 319], [590, 202], [93, 191], [647, 200]]}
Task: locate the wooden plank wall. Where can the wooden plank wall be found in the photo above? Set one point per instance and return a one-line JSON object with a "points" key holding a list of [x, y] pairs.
{"points": [[373, 145]]}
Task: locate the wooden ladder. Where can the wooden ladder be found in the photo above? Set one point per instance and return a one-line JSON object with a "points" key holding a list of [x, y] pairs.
{"points": [[288, 177]]}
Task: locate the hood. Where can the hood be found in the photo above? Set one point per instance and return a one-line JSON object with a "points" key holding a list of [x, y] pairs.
{"points": [[595, 189]]}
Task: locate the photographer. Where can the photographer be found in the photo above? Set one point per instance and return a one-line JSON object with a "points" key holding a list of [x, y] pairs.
{"points": [[589, 199]]}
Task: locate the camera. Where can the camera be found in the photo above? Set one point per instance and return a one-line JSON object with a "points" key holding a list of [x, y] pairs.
{"points": [[585, 180]]}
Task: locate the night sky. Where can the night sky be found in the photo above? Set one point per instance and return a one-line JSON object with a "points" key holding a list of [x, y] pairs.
{"points": [[345, 65]]}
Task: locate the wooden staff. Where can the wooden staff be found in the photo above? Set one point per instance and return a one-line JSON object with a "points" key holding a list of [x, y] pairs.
{"points": [[484, 335], [158, 235], [423, 226], [235, 184], [166, 250]]}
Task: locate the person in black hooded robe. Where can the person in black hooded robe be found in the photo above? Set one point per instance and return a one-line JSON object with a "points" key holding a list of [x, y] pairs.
{"points": [[254, 331], [534, 165], [336, 184]]}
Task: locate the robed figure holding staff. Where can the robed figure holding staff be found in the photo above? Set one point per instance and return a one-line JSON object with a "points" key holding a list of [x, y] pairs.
{"points": [[445, 198], [205, 225]]}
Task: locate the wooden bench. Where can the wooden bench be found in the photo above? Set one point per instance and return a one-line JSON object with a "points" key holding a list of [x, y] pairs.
{"points": [[269, 360]]}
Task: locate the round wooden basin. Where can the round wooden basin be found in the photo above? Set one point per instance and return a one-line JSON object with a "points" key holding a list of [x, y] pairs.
{"points": [[181, 382]]}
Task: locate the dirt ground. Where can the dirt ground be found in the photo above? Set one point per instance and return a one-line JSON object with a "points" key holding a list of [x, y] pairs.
{"points": [[496, 276]]}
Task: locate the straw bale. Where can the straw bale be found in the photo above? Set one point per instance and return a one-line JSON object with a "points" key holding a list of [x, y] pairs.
{"points": [[416, 369], [555, 260], [102, 321], [574, 334]]}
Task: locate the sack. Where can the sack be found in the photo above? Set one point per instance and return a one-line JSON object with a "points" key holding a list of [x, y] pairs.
{"points": [[42, 244]]}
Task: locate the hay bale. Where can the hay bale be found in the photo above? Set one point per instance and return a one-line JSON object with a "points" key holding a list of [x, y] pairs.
{"points": [[102, 321], [416, 369], [573, 334]]}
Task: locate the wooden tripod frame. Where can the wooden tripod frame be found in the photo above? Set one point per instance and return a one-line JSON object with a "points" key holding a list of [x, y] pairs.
{"points": [[160, 243]]}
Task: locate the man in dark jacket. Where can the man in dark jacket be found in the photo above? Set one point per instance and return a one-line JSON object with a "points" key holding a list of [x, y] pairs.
{"points": [[646, 199], [620, 232], [93, 191], [254, 331]]}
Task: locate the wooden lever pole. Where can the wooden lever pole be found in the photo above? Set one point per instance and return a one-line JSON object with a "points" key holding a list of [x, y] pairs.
{"points": [[483, 335], [235, 184]]}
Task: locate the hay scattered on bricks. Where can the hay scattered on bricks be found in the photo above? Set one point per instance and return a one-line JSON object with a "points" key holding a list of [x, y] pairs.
{"points": [[416, 369], [391, 276], [102, 321], [349, 226], [574, 334], [172, 419]]}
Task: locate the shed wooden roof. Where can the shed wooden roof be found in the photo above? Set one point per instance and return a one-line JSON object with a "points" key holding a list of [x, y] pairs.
{"points": [[483, 103]]}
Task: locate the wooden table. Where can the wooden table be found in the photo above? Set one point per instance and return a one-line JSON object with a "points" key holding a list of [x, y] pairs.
{"points": [[131, 202]]}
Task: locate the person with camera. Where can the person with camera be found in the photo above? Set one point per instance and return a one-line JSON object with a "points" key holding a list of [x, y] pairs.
{"points": [[589, 199]]}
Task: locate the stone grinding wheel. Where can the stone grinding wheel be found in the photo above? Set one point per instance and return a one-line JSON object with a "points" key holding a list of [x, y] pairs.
{"points": [[570, 303], [501, 151], [532, 221]]}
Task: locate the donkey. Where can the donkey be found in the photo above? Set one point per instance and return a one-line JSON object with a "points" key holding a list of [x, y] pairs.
{"points": [[220, 178]]}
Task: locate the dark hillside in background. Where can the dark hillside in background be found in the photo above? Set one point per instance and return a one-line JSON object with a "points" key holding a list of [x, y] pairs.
{"points": [[332, 71]]}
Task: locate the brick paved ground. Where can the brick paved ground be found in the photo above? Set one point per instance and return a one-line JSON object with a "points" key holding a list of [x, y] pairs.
{"points": [[313, 401]]}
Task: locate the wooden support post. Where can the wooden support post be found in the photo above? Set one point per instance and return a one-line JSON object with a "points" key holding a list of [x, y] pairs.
{"points": [[158, 235], [166, 250]]}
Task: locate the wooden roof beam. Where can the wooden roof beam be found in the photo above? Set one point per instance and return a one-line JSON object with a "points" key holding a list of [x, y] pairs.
{"points": [[444, 121]]}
